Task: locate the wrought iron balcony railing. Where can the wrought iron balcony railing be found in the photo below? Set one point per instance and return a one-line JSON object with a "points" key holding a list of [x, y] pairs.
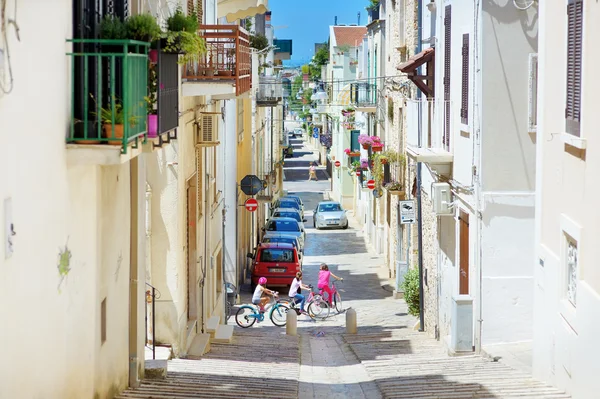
{"points": [[227, 58], [109, 83], [363, 94]]}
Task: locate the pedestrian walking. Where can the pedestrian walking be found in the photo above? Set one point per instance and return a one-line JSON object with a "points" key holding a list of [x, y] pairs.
{"points": [[312, 172]]}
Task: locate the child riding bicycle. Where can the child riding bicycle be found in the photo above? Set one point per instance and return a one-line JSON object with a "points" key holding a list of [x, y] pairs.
{"points": [[297, 284], [323, 283], [259, 298]]}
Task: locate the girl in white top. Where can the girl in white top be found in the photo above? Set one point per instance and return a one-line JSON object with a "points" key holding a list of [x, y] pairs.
{"points": [[297, 284], [258, 298]]}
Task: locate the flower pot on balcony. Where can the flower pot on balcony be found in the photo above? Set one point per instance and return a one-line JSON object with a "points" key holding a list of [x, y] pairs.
{"points": [[107, 133], [152, 126], [224, 73], [354, 154], [377, 148], [384, 161], [399, 193], [365, 146], [92, 133]]}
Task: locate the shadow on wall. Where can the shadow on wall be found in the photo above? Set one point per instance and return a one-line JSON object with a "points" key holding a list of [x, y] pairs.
{"points": [[166, 314], [495, 210], [507, 13]]}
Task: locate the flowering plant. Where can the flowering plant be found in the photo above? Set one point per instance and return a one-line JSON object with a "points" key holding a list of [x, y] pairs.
{"points": [[364, 163], [375, 140], [347, 151], [364, 139]]}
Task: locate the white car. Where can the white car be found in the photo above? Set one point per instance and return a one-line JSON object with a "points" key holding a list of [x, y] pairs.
{"points": [[330, 214]]}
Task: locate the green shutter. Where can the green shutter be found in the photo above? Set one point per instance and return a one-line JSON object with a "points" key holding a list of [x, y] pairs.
{"points": [[354, 146]]}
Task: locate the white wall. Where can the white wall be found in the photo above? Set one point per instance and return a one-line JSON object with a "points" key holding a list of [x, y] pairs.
{"points": [[230, 186]]}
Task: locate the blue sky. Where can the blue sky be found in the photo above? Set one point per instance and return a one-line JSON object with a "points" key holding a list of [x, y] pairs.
{"points": [[308, 21]]}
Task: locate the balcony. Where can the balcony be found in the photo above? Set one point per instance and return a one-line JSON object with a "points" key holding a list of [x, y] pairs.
{"points": [[270, 91], [225, 71], [364, 96], [109, 80]]}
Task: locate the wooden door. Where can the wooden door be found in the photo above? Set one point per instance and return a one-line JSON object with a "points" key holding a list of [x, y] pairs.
{"points": [[464, 253], [192, 248]]}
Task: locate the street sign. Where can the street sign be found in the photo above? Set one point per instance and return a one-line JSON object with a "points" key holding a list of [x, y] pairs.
{"points": [[358, 173], [371, 184], [407, 212], [316, 130], [251, 185], [378, 193], [337, 164], [251, 204]]}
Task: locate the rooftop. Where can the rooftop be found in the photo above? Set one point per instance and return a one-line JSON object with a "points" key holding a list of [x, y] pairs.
{"points": [[349, 35]]}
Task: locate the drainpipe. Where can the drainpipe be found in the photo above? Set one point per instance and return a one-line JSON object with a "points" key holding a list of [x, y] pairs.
{"points": [[419, 211]]}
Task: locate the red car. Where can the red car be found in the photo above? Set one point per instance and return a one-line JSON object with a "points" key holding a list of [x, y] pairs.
{"points": [[277, 261]]}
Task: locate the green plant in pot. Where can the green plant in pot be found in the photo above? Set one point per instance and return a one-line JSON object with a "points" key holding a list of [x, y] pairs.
{"points": [[113, 121], [182, 37], [112, 28], [142, 27]]}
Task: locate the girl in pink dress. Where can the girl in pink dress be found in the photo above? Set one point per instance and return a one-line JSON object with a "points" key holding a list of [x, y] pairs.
{"points": [[323, 283]]}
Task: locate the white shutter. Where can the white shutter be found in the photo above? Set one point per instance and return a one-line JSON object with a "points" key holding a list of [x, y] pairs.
{"points": [[533, 83]]}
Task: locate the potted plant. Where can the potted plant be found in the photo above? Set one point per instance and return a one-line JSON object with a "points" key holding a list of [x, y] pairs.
{"points": [[364, 140], [376, 144], [383, 159], [393, 157], [347, 151], [114, 132], [142, 27], [395, 188], [151, 101], [364, 163], [182, 37]]}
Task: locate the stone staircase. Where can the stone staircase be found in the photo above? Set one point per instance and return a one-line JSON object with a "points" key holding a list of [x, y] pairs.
{"points": [[407, 364], [255, 364]]}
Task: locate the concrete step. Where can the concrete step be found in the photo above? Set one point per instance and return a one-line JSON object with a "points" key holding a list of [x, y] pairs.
{"points": [[224, 334], [199, 345], [155, 369], [191, 332], [212, 324]]}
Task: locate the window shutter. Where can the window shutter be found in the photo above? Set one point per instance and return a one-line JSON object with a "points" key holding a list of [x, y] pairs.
{"points": [[464, 103], [574, 48], [386, 173], [447, 55]]}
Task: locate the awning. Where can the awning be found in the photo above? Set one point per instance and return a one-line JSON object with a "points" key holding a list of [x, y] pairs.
{"points": [[239, 9], [421, 81]]}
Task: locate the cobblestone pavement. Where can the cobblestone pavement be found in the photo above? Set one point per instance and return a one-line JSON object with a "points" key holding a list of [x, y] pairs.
{"points": [[385, 359]]}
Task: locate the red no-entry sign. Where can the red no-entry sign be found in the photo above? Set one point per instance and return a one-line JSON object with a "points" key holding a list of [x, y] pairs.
{"points": [[251, 204], [371, 184], [337, 164]]}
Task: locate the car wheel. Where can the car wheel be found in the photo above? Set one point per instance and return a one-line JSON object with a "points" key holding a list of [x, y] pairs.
{"points": [[345, 227]]}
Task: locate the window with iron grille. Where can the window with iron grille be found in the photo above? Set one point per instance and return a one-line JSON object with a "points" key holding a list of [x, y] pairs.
{"points": [[464, 102], [447, 54], [574, 48], [240, 120]]}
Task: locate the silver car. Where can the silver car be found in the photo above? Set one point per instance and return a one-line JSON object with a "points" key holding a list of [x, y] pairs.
{"points": [[330, 214]]}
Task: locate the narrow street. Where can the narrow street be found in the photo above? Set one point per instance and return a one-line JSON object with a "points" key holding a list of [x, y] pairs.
{"points": [[386, 359]]}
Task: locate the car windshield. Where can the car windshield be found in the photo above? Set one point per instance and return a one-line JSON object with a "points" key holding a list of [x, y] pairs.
{"points": [[293, 215], [283, 225], [276, 255], [280, 239], [294, 199], [330, 208], [289, 204]]}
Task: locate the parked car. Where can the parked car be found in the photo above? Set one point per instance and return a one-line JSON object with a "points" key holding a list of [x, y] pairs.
{"points": [[297, 199], [273, 237], [288, 203], [278, 262], [330, 214], [288, 226], [289, 213]]}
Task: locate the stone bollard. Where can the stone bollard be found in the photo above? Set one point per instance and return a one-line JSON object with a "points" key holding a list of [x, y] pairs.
{"points": [[351, 321], [291, 320]]}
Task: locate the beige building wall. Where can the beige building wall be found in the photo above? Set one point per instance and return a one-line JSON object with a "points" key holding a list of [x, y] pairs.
{"points": [[71, 217]]}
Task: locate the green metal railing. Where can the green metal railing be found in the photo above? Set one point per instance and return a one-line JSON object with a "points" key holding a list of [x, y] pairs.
{"points": [[109, 83]]}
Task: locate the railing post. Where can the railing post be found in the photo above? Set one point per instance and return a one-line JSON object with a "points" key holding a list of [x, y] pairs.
{"points": [[153, 323]]}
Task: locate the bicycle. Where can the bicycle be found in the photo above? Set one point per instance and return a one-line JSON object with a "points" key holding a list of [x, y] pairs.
{"points": [[316, 306], [335, 296], [247, 315]]}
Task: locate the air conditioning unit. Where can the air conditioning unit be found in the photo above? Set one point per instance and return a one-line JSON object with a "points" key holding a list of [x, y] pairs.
{"points": [[207, 132], [442, 199]]}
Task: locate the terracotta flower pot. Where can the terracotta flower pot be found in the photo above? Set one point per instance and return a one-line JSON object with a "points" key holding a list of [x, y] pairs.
{"points": [[107, 133], [384, 161], [152, 126], [365, 146], [376, 148]]}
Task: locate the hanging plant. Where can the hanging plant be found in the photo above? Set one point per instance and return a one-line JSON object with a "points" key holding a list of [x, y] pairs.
{"points": [[364, 163], [365, 140]]}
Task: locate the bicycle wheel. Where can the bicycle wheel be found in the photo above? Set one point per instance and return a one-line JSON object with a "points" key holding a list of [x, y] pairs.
{"points": [[337, 302], [245, 316], [318, 308], [278, 314]]}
